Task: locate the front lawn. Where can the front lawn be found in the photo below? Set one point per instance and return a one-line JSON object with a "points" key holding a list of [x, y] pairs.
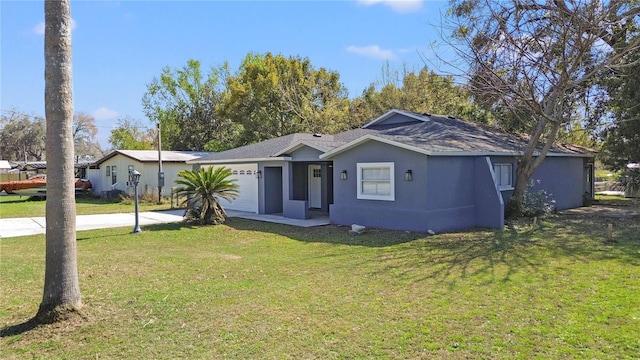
{"points": [[252, 290], [12, 206]]}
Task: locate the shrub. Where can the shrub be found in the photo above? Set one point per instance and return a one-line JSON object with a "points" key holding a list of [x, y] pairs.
{"points": [[202, 190], [537, 202]]}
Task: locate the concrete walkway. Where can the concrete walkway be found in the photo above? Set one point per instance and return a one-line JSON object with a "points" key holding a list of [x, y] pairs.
{"points": [[14, 227]]}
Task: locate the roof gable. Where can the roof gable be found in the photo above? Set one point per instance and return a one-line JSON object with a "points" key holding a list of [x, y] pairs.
{"points": [[395, 116]]}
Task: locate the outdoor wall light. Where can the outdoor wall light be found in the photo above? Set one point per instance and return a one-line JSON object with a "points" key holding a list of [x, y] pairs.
{"points": [[408, 176], [343, 175], [259, 174]]}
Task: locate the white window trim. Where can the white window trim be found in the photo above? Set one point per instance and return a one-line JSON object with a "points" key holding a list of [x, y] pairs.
{"points": [[497, 181], [391, 196]]}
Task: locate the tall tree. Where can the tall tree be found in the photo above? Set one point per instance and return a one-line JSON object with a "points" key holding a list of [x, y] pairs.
{"points": [[422, 91], [184, 102], [22, 137], [622, 136], [84, 137], [271, 96], [61, 287], [533, 62], [130, 134]]}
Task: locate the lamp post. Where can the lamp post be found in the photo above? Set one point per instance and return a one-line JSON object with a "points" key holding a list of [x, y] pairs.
{"points": [[135, 177]]}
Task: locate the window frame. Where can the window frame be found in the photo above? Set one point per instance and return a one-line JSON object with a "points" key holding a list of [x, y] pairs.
{"points": [[498, 177], [114, 174], [375, 165]]}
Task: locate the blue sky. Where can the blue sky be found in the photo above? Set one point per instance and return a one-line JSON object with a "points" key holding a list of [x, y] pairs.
{"points": [[120, 46]]}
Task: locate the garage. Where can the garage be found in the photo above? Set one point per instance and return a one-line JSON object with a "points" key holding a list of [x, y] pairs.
{"points": [[247, 181]]}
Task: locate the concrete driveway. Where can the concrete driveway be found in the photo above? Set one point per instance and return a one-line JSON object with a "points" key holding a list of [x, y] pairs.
{"points": [[13, 227]]}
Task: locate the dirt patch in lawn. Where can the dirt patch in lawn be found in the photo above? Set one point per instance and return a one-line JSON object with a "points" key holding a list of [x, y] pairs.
{"points": [[605, 211]]}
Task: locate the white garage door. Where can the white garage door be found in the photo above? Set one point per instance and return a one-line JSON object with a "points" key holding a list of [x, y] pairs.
{"points": [[247, 181]]}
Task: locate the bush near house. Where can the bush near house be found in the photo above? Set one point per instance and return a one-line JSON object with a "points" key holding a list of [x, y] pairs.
{"points": [[202, 190]]}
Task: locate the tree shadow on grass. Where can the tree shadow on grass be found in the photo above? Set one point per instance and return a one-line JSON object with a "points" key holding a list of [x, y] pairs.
{"points": [[490, 255], [18, 329], [332, 234], [496, 255]]}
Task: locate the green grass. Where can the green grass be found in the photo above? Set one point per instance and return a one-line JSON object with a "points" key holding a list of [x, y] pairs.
{"points": [[617, 200], [251, 290], [12, 206], [604, 175]]}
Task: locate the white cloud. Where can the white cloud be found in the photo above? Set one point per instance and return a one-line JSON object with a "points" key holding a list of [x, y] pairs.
{"points": [[400, 6], [104, 113], [372, 51], [39, 29]]}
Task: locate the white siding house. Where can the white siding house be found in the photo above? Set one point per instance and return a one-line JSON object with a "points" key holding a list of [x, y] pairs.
{"points": [[112, 171]]}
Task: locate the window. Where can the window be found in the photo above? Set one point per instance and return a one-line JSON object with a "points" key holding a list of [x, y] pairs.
{"points": [[504, 176], [317, 173], [108, 171], [241, 172], [234, 172], [114, 178], [376, 181]]}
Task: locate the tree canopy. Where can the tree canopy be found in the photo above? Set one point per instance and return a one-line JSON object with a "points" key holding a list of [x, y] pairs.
{"points": [[621, 137], [130, 134], [84, 137], [22, 136], [533, 63], [423, 91], [184, 102], [271, 96]]}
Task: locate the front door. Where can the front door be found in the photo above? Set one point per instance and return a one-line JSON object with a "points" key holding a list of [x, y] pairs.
{"points": [[315, 186]]}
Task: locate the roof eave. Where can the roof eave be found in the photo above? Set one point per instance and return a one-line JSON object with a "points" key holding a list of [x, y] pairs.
{"points": [[235, 161]]}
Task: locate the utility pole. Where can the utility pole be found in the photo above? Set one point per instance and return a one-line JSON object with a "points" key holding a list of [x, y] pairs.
{"points": [[160, 173]]}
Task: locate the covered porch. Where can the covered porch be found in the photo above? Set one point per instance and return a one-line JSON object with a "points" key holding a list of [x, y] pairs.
{"points": [[298, 190]]}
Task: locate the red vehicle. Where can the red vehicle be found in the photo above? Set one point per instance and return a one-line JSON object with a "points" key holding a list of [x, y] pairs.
{"points": [[37, 186]]}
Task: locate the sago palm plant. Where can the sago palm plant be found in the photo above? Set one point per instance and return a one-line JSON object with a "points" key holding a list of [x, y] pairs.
{"points": [[202, 190]]}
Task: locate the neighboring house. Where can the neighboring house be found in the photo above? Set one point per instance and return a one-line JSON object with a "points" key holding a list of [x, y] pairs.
{"points": [[4, 167], [403, 170], [112, 171]]}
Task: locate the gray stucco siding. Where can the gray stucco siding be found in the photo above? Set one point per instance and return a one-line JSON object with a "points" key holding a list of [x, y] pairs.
{"points": [[408, 194], [564, 178], [305, 153], [398, 119], [450, 182], [440, 197], [404, 218]]}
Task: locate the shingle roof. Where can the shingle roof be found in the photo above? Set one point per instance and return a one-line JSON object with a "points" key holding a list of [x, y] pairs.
{"points": [[433, 134], [152, 155], [270, 148]]}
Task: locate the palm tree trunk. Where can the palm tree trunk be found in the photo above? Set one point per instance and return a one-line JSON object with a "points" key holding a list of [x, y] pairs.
{"points": [[61, 286]]}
